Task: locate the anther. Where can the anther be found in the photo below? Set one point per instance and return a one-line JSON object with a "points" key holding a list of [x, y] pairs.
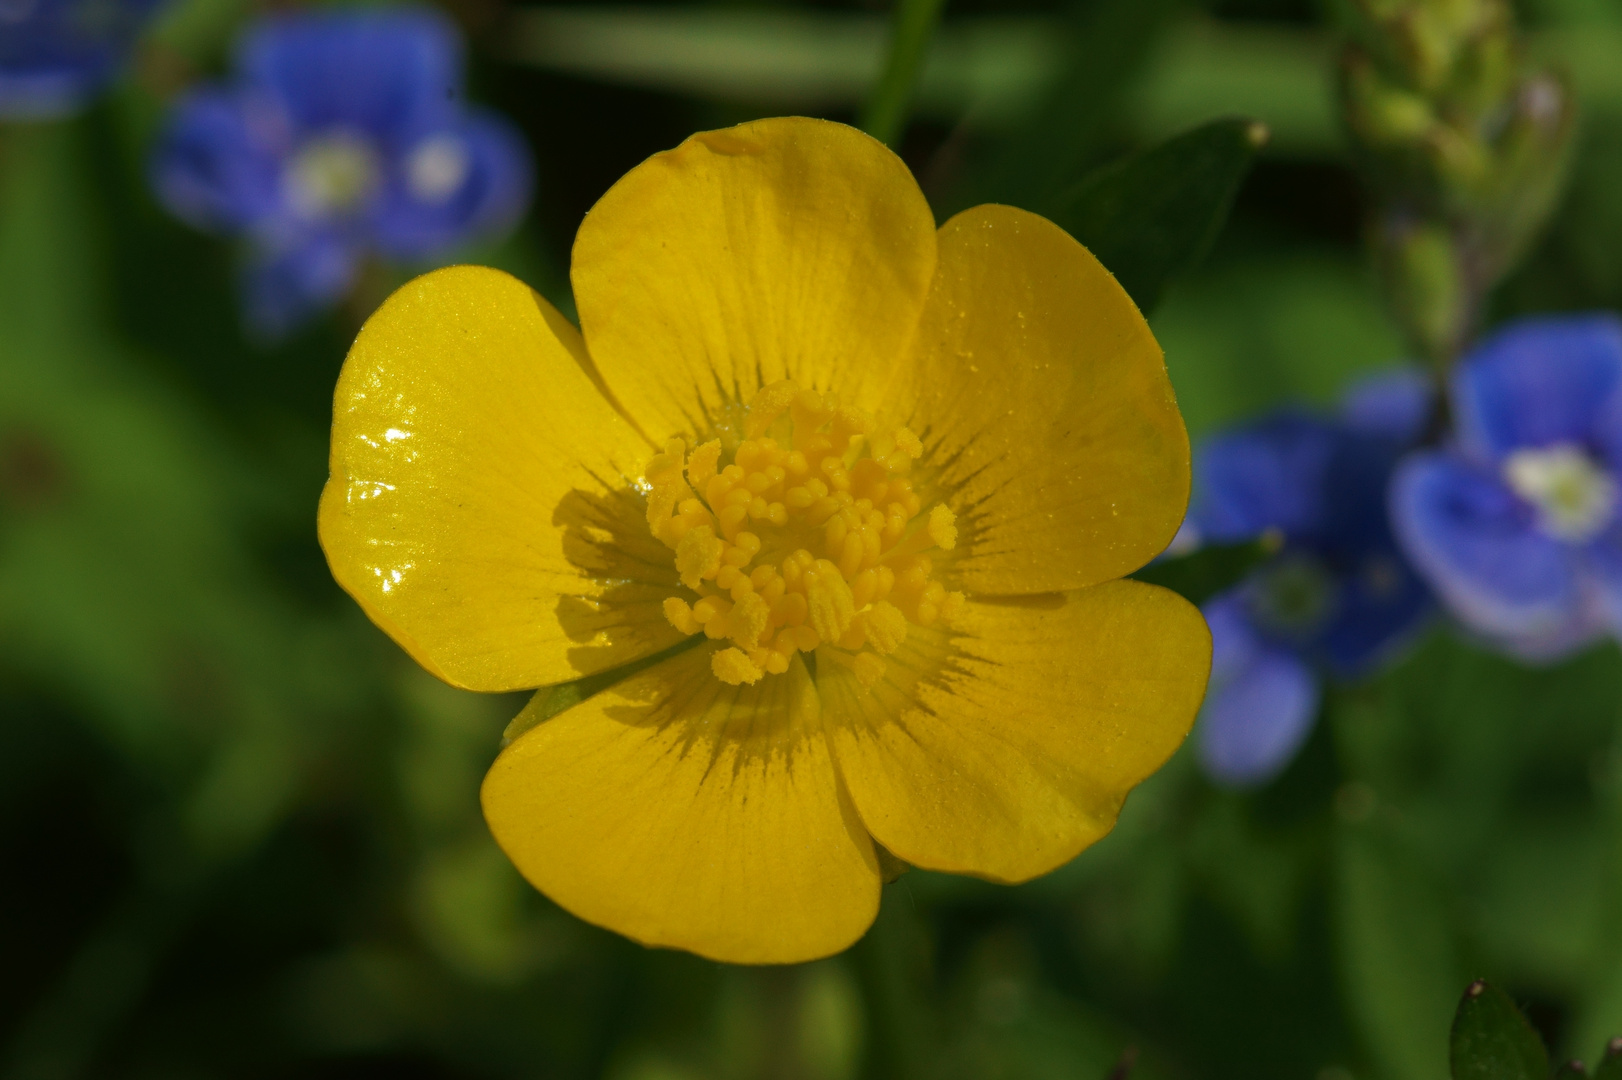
{"points": [[681, 616], [829, 481], [731, 666], [698, 556], [869, 669]]}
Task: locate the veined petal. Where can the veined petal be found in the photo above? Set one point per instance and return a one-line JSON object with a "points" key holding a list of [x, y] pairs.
{"points": [[1394, 405], [480, 505], [1042, 398], [1266, 475], [1477, 546], [680, 811], [1255, 721], [1004, 747], [1538, 382], [391, 74], [787, 248]]}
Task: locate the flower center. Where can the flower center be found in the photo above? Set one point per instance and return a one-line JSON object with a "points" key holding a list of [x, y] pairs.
{"points": [[810, 538], [1294, 597], [1574, 497], [436, 168], [332, 174]]}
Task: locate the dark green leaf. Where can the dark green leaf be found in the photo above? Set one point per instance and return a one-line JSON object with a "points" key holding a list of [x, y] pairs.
{"points": [[1493, 1041], [1202, 574], [1571, 1070], [1151, 216], [1611, 1067], [1105, 42]]}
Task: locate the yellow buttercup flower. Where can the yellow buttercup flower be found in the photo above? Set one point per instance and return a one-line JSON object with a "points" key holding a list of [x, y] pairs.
{"points": [[879, 479]]}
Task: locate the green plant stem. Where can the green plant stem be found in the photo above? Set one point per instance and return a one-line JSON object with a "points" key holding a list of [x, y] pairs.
{"points": [[892, 969], [885, 115]]}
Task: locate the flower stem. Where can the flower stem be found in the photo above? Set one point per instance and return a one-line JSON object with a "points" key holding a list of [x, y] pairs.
{"points": [[913, 24], [893, 970]]}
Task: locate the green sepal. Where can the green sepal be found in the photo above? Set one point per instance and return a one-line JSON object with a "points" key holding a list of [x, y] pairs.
{"points": [[551, 700], [1151, 216], [890, 867], [1492, 1039], [1610, 1068]]}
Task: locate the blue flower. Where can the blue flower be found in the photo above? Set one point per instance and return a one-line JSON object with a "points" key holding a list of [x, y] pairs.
{"points": [[1335, 594], [1515, 523], [344, 135], [56, 54]]}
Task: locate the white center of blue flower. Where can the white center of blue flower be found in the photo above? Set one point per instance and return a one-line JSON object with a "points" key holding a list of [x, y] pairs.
{"points": [[1575, 499], [436, 168], [332, 175]]}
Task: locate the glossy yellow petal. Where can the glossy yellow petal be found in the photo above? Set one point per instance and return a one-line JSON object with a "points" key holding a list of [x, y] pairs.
{"points": [[479, 504], [1042, 398], [678, 810], [786, 248], [1005, 747]]}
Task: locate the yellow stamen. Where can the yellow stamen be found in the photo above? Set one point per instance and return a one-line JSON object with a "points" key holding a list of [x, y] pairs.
{"points": [[681, 616], [886, 627], [701, 465], [869, 668], [943, 528], [809, 538], [698, 556], [733, 667]]}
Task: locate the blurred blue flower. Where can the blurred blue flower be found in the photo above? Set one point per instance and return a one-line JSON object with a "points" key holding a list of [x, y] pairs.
{"points": [[56, 54], [1515, 522], [1335, 593], [344, 135]]}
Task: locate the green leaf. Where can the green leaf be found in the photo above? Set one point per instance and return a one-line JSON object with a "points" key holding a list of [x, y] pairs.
{"points": [[1611, 1067], [1398, 957], [1493, 1041], [911, 27], [1102, 47], [1152, 216], [1200, 575], [1571, 1070]]}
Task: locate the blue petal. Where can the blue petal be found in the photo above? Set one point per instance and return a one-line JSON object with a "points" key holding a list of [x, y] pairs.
{"points": [[418, 219], [1557, 644], [1382, 606], [1380, 601], [1252, 726], [55, 54], [214, 167], [1476, 544], [1234, 643], [393, 75], [1602, 563], [284, 287], [1268, 475], [1538, 382], [48, 91], [1393, 405]]}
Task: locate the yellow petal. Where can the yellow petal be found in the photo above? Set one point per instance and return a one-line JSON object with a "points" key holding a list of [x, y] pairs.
{"points": [[479, 505], [787, 248], [678, 810], [1043, 399], [1006, 747]]}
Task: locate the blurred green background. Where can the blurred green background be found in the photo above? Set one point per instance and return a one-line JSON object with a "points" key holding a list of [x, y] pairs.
{"points": [[239, 829]]}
